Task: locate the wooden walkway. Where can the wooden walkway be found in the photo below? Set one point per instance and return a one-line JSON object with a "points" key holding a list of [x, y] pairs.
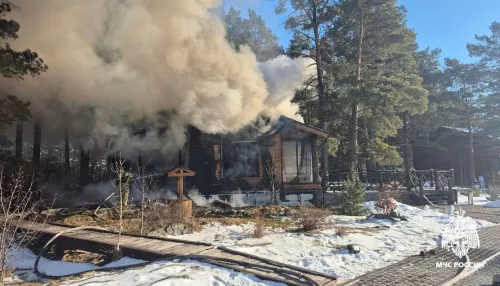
{"points": [[150, 248]]}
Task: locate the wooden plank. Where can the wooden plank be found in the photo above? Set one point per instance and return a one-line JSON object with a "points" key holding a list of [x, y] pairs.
{"points": [[151, 245], [175, 248], [183, 250]]}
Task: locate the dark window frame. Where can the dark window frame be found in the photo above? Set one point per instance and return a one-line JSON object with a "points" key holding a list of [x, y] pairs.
{"points": [[254, 172]]}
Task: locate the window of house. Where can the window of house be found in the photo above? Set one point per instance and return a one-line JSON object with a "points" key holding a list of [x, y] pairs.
{"points": [[240, 159], [297, 161]]}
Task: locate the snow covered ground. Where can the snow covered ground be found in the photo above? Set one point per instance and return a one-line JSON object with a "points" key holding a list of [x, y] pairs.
{"points": [[481, 200], [166, 273], [382, 242]]}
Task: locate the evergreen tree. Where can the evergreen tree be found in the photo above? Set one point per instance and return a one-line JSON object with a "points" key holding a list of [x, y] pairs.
{"points": [[252, 32], [313, 19], [467, 86], [353, 197], [487, 49], [14, 65], [377, 75]]}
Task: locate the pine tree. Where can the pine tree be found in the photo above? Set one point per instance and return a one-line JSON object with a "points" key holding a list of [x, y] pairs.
{"points": [[487, 48], [377, 74], [467, 86], [353, 197], [14, 64], [252, 32], [313, 20]]}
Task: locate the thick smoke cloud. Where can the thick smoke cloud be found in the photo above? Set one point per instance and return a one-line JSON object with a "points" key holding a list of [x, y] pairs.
{"points": [[115, 63]]}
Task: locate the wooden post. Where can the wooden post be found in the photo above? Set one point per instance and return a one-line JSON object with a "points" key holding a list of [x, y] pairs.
{"points": [[185, 207], [436, 181], [180, 173], [451, 196], [180, 189], [451, 184], [422, 192], [452, 176], [431, 177]]}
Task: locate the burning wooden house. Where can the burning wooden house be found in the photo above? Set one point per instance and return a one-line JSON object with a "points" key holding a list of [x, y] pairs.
{"points": [[239, 161], [226, 163]]}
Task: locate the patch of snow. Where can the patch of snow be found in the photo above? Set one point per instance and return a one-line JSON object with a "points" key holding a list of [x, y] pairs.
{"points": [[168, 273], [481, 200], [188, 273], [382, 242], [25, 259], [493, 204]]}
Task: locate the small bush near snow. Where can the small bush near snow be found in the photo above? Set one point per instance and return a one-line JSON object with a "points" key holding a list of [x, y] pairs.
{"points": [[311, 218], [158, 215], [385, 206], [351, 201], [259, 228], [476, 192]]}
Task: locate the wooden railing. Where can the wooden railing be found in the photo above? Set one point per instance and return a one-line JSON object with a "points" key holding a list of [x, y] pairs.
{"points": [[438, 180]]}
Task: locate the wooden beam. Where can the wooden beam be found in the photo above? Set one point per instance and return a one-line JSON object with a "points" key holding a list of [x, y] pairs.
{"points": [[177, 175], [180, 189]]}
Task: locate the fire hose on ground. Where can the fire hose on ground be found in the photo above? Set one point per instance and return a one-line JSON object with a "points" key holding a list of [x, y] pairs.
{"points": [[223, 262]]}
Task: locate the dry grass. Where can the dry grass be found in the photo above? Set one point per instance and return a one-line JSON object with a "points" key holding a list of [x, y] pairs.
{"points": [[80, 256], [285, 224], [345, 230], [259, 227], [312, 218]]}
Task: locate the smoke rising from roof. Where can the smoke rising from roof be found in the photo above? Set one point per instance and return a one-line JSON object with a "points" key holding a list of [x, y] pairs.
{"points": [[161, 63]]}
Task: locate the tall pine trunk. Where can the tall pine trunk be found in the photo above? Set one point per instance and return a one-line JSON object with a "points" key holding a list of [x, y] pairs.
{"points": [[472, 167], [66, 150], [353, 132], [50, 152], [321, 102], [37, 142], [406, 152], [19, 140], [84, 167]]}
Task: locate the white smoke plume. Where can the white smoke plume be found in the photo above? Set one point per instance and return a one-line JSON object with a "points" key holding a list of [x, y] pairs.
{"points": [[283, 75], [161, 63]]}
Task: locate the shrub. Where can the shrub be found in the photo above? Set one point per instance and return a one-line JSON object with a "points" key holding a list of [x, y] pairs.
{"points": [[476, 192], [158, 215], [351, 201], [385, 206], [311, 218], [259, 228]]}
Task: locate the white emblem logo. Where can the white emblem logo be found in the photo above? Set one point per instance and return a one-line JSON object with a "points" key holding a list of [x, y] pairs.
{"points": [[460, 234]]}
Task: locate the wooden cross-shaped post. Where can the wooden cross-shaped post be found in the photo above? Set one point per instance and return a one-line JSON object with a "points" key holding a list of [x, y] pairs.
{"points": [[180, 173]]}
